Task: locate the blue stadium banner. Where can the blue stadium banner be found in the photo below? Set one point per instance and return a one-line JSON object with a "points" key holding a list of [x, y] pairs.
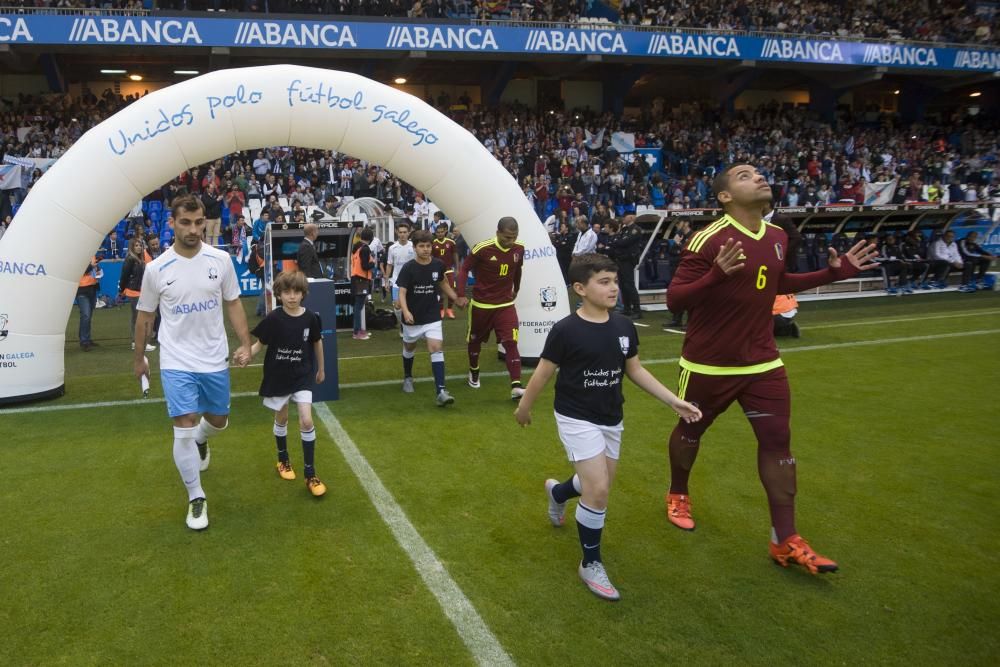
{"points": [[249, 284], [376, 36]]}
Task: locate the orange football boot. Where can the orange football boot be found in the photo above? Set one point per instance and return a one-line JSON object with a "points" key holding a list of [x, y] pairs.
{"points": [[679, 511], [797, 550]]}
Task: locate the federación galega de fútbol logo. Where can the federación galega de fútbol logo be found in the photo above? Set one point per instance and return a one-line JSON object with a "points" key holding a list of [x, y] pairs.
{"points": [[548, 297]]}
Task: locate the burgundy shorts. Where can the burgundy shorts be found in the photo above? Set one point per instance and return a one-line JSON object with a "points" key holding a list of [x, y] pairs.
{"points": [[484, 320], [760, 395]]}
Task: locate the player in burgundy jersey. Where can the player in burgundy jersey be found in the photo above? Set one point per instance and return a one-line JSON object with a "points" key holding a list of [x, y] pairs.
{"points": [[496, 263], [444, 249], [727, 280]]}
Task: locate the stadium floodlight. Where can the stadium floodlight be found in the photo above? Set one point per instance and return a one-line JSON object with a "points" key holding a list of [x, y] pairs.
{"points": [[112, 71], [135, 77], [186, 71], [975, 94], [399, 80], [895, 92]]}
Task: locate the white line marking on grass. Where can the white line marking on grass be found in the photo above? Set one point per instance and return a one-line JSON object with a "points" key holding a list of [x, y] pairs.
{"points": [[861, 323], [384, 383], [476, 635]]}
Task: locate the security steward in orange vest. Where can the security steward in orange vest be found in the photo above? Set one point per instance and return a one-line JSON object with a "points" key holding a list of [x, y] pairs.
{"points": [[86, 299], [362, 263]]}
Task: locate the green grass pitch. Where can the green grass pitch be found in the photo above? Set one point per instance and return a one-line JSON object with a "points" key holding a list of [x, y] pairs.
{"points": [[895, 430]]}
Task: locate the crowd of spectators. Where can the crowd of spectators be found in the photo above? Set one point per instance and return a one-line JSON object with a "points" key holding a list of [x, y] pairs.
{"points": [[564, 161], [942, 21]]}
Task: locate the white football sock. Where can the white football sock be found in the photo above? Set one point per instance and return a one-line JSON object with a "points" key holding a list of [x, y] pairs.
{"points": [[187, 460], [206, 430]]}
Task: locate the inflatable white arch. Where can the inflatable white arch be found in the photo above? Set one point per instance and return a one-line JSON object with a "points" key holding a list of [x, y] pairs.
{"points": [[84, 195]]}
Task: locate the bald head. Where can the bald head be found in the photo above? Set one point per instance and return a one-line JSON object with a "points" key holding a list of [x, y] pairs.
{"points": [[311, 231]]}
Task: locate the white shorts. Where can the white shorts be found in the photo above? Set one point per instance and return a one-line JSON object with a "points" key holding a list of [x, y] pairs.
{"points": [[414, 332], [584, 440], [278, 402]]}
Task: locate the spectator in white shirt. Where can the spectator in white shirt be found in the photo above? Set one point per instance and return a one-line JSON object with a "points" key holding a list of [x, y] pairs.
{"points": [[421, 210], [945, 257], [586, 241], [261, 165]]}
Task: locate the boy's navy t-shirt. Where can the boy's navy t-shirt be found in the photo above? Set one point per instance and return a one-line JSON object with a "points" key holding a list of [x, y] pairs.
{"points": [[591, 359], [289, 361]]}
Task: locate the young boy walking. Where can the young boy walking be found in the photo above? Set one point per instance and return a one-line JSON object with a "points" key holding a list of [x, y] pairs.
{"points": [[418, 284], [592, 348], [294, 358]]}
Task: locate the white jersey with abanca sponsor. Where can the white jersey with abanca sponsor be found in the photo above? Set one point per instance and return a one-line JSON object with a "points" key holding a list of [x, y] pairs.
{"points": [[190, 294], [398, 256]]}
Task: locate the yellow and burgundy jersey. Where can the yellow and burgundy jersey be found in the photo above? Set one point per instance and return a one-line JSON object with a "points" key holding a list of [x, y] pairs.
{"points": [[730, 329], [497, 271], [444, 251]]}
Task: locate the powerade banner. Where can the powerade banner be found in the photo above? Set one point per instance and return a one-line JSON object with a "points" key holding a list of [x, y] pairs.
{"points": [[452, 37]]}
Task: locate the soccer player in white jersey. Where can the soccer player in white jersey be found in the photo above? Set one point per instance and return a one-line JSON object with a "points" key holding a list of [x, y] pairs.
{"points": [[191, 283], [399, 254]]}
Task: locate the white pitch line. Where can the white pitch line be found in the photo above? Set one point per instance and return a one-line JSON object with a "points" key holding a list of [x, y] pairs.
{"points": [[476, 635], [386, 383], [861, 323]]}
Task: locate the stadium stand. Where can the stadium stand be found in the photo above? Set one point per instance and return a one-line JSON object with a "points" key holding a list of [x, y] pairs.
{"points": [[816, 162], [945, 21]]}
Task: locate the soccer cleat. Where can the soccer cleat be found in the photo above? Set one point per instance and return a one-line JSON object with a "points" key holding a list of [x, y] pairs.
{"points": [[444, 398], [597, 580], [892, 290], [285, 470], [315, 486], [516, 392], [679, 511], [197, 516], [150, 348], [407, 385], [474, 378], [450, 313], [796, 550], [205, 454], [557, 511]]}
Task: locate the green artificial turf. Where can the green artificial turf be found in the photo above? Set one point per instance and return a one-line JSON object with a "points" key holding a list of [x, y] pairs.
{"points": [[895, 442]]}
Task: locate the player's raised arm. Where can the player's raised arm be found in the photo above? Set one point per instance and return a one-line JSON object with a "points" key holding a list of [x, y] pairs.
{"points": [[698, 271], [858, 259]]}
